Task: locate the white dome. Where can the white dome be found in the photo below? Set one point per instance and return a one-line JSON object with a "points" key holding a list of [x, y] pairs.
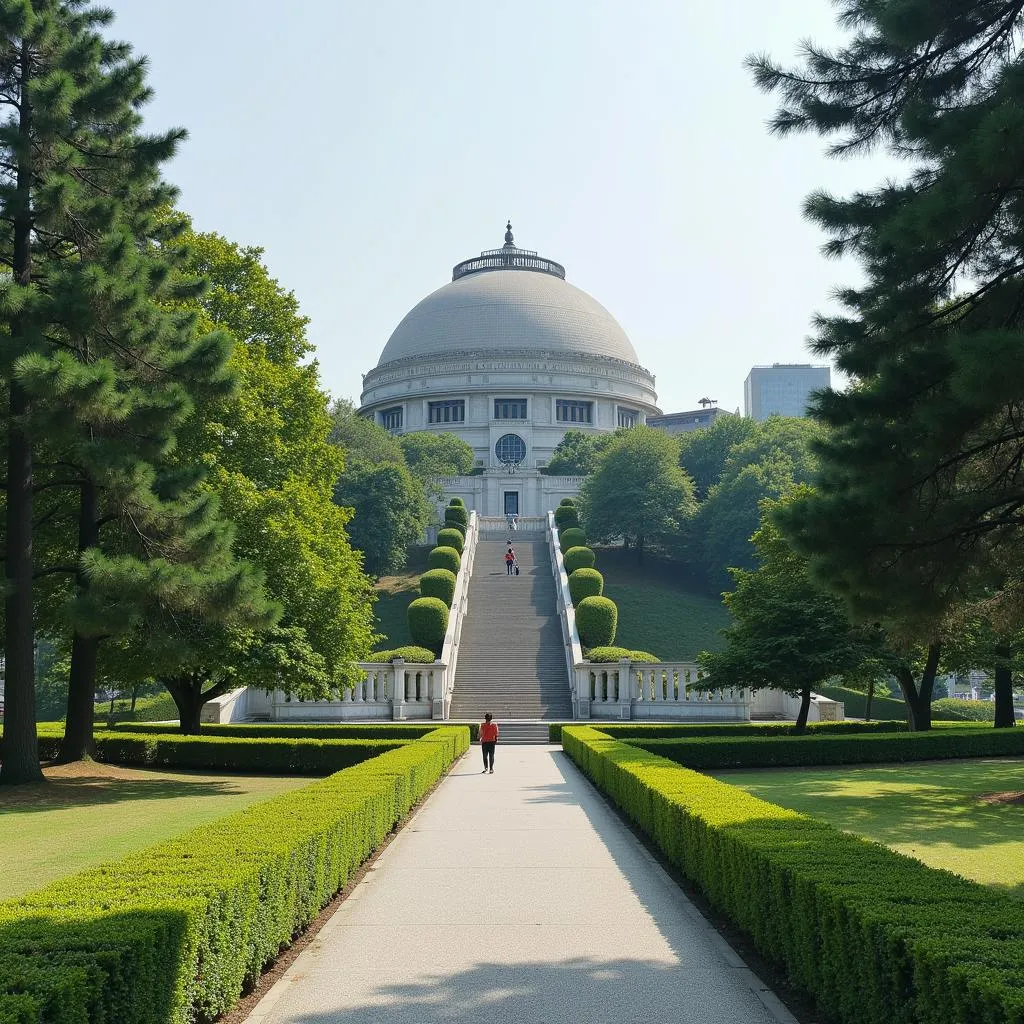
{"points": [[509, 310]]}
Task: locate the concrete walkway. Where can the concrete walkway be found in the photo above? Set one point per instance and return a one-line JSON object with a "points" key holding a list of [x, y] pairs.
{"points": [[517, 897]]}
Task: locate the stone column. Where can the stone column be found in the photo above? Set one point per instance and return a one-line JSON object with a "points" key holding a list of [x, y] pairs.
{"points": [[625, 694], [398, 690]]}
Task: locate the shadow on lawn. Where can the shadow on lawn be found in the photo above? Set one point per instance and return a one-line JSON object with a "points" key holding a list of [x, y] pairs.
{"points": [[904, 804], [85, 790]]}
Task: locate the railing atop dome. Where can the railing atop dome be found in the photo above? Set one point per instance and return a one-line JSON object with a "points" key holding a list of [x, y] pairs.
{"points": [[508, 259]]}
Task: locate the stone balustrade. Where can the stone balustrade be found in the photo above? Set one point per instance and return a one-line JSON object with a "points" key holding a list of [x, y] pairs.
{"points": [[397, 690]]}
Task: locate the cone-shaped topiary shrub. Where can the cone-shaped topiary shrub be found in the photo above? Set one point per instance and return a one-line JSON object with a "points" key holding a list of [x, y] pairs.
{"points": [[585, 583], [428, 620], [451, 538], [566, 516], [567, 501], [456, 501], [456, 515], [572, 537], [596, 620], [444, 558], [438, 583], [578, 558]]}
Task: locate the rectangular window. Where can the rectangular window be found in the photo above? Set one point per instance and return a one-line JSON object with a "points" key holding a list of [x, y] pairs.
{"points": [[510, 408], [567, 411], [391, 419], [447, 412], [628, 417]]}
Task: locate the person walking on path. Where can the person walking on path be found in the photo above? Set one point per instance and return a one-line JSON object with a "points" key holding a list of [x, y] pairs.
{"points": [[510, 560], [488, 740]]}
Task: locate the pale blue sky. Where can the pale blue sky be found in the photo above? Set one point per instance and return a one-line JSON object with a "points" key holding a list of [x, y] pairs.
{"points": [[369, 147]]}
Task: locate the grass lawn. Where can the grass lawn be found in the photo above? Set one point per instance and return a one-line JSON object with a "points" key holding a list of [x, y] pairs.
{"points": [[659, 611], [964, 816], [88, 813], [394, 595]]}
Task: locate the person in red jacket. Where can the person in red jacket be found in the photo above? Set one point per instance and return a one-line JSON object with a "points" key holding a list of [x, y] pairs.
{"points": [[488, 740]]}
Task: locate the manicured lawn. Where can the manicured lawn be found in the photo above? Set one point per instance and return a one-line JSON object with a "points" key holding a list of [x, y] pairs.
{"points": [[89, 813], [956, 815], [659, 611], [394, 595]]}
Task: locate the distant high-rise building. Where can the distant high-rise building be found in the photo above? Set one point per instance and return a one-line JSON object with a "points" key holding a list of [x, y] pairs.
{"points": [[782, 389]]}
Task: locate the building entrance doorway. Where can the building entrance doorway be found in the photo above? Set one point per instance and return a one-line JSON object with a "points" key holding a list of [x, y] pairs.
{"points": [[511, 503]]}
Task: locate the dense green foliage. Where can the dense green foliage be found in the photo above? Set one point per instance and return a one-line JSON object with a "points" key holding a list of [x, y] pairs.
{"points": [[177, 931], [457, 516], [571, 537], [637, 492], [451, 538], [950, 709], [596, 620], [570, 502], [703, 453], [853, 948], [579, 558], [428, 620], [429, 455], [457, 501], [585, 583], [439, 583], [577, 453], [444, 558], [609, 654], [416, 655]]}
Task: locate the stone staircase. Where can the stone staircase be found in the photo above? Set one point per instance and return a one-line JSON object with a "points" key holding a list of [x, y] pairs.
{"points": [[511, 660]]}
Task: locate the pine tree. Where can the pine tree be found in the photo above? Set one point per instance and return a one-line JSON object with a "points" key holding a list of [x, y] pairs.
{"points": [[920, 503]]}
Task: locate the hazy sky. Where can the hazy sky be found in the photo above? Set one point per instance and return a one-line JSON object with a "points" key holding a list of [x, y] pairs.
{"points": [[368, 147]]}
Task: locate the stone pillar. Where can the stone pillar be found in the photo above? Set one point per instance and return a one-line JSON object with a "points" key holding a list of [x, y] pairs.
{"points": [[398, 690], [625, 693]]}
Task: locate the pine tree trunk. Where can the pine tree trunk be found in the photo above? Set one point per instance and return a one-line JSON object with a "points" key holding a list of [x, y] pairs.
{"points": [[805, 707], [78, 731], [1003, 688], [870, 698], [21, 743], [135, 694]]}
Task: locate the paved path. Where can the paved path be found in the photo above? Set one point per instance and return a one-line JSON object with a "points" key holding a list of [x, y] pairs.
{"points": [[517, 897]]}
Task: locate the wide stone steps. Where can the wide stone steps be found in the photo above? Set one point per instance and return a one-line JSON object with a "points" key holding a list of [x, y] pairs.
{"points": [[511, 660]]}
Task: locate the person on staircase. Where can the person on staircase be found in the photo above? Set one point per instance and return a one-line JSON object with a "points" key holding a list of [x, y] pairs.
{"points": [[488, 741], [510, 561]]}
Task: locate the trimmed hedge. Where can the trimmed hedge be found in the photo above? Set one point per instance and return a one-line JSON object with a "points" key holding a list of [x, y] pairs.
{"points": [[439, 583], [389, 730], [568, 501], [871, 936], [585, 583], [456, 515], [566, 516], [596, 620], [444, 558], [950, 709], [175, 932], [572, 537], [294, 755], [603, 655], [428, 620], [456, 501], [417, 655], [578, 558], [451, 538], [822, 749]]}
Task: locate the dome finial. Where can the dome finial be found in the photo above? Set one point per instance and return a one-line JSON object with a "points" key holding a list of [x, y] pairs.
{"points": [[508, 234]]}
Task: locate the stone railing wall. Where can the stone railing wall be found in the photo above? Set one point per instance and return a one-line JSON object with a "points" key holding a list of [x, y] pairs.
{"points": [[397, 690], [566, 613]]}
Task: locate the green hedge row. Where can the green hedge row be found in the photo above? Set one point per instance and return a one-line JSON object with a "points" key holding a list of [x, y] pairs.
{"points": [[234, 753], [174, 933], [708, 752], [871, 936]]}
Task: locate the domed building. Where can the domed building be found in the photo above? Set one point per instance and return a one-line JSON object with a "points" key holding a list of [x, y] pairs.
{"points": [[509, 356]]}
